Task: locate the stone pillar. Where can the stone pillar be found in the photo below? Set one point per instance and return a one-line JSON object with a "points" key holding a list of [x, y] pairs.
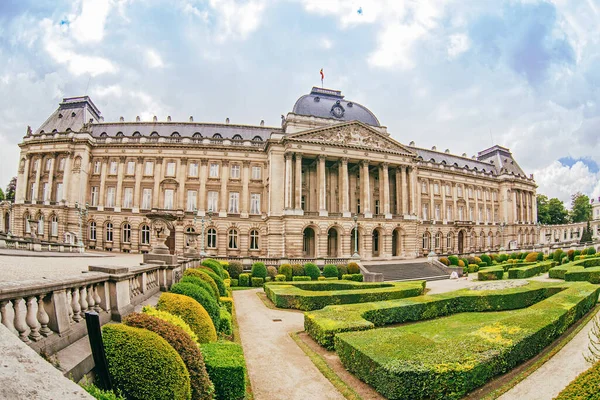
{"points": [[431, 204], [120, 176], [322, 186], [299, 184], [245, 192], [102, 195], [287, 190], [386, 190], [398, 189], [413, 192], [443, 213], [181, 175], [67, 177], [454, 202], [366, 189], [36, 191], [23, 182], [475, 192], [202, 194], [158, 175], [405, 192], [533, 208], [522, 208], [345, 189], [51, 178], [138, 184], [224, 180], [515, 209]]}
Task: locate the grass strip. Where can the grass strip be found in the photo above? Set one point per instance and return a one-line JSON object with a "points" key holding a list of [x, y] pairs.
{"points": [[327, 372], [237, 339]]}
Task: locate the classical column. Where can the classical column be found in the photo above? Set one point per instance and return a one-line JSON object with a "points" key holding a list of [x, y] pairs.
{"points": [[36, 190], [515, 209], [398, 188], [245, 195], [414, 197], [202, 194], [454, 189], [138, 184], [181, 175], [404, 192], [533, 208], [298, 182], [386, 190], [158, 175], [322, 186], [431, 203], [67, 177], [476, 192], [101, 198], [224, 181], [522, 208], [51, 178], [23, 183], [119, 195], [288, 182], [443, 212], [365, 203], [345, 188]]}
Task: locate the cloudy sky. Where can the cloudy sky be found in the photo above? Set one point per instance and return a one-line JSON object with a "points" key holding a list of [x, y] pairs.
{"points": [[458, 74]]}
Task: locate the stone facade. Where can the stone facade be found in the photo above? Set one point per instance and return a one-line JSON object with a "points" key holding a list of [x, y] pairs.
{"points": [[567, 234], [291, 191]]}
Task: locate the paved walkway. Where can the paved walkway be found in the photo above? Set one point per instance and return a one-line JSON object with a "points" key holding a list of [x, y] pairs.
{"points": [[278, 368]]}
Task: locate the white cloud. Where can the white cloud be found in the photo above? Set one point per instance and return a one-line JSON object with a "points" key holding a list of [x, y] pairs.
{"points": [[154, 59], [459, 43], [88, 26], [561, 181], [326, 43]]}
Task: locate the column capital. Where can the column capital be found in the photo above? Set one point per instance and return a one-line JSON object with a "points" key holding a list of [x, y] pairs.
{"points": [[298, 156], [344, 160], [140, 160], [385, 164], [364, 163], [159, 160], [225, 163], [288, 155], [203, 161], [321, 157], [246, 163], [122, 159], [183, 161], [104, 159]]}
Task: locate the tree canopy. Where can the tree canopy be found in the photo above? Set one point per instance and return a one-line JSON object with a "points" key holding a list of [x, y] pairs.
{"points": [[551, 211], [10, 189], [581, 209]]}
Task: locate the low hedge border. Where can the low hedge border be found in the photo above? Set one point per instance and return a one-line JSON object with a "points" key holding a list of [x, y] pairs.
{"points": [[314, 295], [323, 325], [591, 274], [524, 272], [585, 386], [226, 368], [384, 359], [490, 274], [559, 272]]}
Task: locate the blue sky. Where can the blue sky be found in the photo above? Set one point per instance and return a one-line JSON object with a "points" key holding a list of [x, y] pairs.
{"points": [[457, 74]]}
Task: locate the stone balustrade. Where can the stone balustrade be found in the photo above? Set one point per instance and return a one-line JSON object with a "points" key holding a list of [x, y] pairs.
{"points": [[28, 244]]}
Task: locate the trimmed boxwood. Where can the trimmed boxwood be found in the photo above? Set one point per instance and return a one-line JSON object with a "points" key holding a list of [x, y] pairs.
{"points": [[280, 278], [297, 270], [233, 282], [228, 303], [584, 387], [453, 260], [202, 274], [330, 271], [257, 282], [490, 274], [170, 318], [218, 280], [447, 358], [196, 280], [235, 268], [214, 265], [226, 367], [202, 387], [300, 278], [271, 272], [353, 268], [357, 277], [244, 280], [524, 272], [312, 270], [591, 274], [225, 322], [286, 270], [143, 365], [259, 270], [342, 269], [347, 277], [318, 294], [191, 312], [201, 296]]}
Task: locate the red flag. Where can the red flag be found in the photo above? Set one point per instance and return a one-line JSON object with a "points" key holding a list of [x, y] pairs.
{"points": [[322, 74]]}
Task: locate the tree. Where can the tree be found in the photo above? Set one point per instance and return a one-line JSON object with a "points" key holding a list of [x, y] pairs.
{"points": [[586, 235], [551, 211], [11, 189], [2, 198], [581, 209]]}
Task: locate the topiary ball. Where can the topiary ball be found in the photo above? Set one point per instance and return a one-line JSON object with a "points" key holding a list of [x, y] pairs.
{"points": [[235, 269], [218, 280], [271, 272], [191, 312], [259, 270], [342, 270], [330, 271], [312, 270], [214, 265], [197, 272], [353, 268], [143, 365], [202, 387], [201, 296], [196, 280], [172, 319], [297, 270], [286, 269]]}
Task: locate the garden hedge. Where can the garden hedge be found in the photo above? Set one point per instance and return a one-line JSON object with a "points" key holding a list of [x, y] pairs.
{"points": [[259, 270], [143, 365], [226, 368], [196, 280], [228, 303], [244, 280], [447, 358], [297, 270], [584, 387], [524, 272], [172, 319], [202, 387], [591, 274], [300, 278], [286, 270], [191, 312], [233, 282], [330, 271], [218, 280], [201, 296], [235, 268], [225, 322], [314, 295], [323, 325], [342, 269], [490, 274], [353, 268], [312, 270], [280, 278], [205, 277], [257, 282], [214, 265]]}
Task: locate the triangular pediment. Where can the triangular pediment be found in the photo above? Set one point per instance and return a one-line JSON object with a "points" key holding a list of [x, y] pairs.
{"points": [[352, 134]]}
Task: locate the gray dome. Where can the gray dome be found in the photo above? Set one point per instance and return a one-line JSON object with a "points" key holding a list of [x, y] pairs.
{"points": [[327, 103]]}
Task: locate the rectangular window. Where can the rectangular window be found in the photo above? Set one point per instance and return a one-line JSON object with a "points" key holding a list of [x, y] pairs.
{"points": [[377, 206], [479, 215], [93, 231], [110, 197], [447, 190], [149, 168], [303, 203], [461, 213], [32, 192], [425, 212], [494, 196], [436, 188], [488, 215], [193, 170], [113, 168], [459, 190], [131, 168], [54, 226], [470, 193], [234, 202], [423, 187], [256, 172], [48, 163], [213, 201], [168, 199], [97, 167], [59, 192], [471, 214], [128, 199], [170, 169], [235, 171], [147, 199], [255, 203], [214, 171], [438, 212], [94, 197], [449, 213], [191, 200], [46, 194]]}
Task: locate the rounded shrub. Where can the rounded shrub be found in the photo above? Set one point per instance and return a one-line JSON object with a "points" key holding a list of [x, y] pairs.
{"points": [[271, 272], [342, 270], [143, 365], [540, 256], [257, 282], [280, 278], [486, 259], [201, 296], [444, 261], [312, 270], [235, 269], [226, 274], [453, 260], [465, 261], [172, 319], [199, 282], [461, 263], [330, 271], [191, 312], [202, 387], [218, 280], [205, 277], [214, 265], [473, 268], [225, 322], [531, 257], [591, 251], [286, 269], [297, 270], [259, 270], [353, 268], [244, 280]]}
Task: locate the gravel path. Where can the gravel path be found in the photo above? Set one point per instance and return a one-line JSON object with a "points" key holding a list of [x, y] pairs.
{"points": [[278, 368]]}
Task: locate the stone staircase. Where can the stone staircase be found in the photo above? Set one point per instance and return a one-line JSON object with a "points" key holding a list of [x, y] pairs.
{"points": [[418, 270]]}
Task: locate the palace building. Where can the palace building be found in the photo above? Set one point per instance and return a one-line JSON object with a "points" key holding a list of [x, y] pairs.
{"points": [[329, 177]]}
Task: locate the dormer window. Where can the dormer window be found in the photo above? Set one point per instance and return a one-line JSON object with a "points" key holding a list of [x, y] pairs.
{"points": [[257, 139], [217, 136], [120, 134], [103, 134], [59, 116], [73, 115], [237, 137], [154, 134], [136, 134], [54, 130], [197, 135], [175, 134]]}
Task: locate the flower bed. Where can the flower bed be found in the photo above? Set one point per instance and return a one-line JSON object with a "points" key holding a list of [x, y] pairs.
{"points": [[448, 357], [318, 294]]}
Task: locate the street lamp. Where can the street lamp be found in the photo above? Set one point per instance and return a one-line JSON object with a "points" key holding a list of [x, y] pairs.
{"points": [[81, 211], [355, 255]]}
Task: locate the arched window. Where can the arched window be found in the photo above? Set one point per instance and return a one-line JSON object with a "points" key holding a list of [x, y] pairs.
{"points": [[40, 230], [54, 226], [126, 233], [481, 240], [145, 237], [197, 135], [175, 134], [188, 239], [438, 240], [93, 230], [120, 134], [154, 134], [109, 232], [449, 242], [232, 239], [26, 223], [103, 134], [211, 238], [254, 235], [217, 136], [237, 137], [257, 139], [426, 241], [136, 134]]}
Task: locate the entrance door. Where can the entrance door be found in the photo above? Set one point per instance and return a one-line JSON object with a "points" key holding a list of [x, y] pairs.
{"points": [[170, 242], [461, 242]]}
